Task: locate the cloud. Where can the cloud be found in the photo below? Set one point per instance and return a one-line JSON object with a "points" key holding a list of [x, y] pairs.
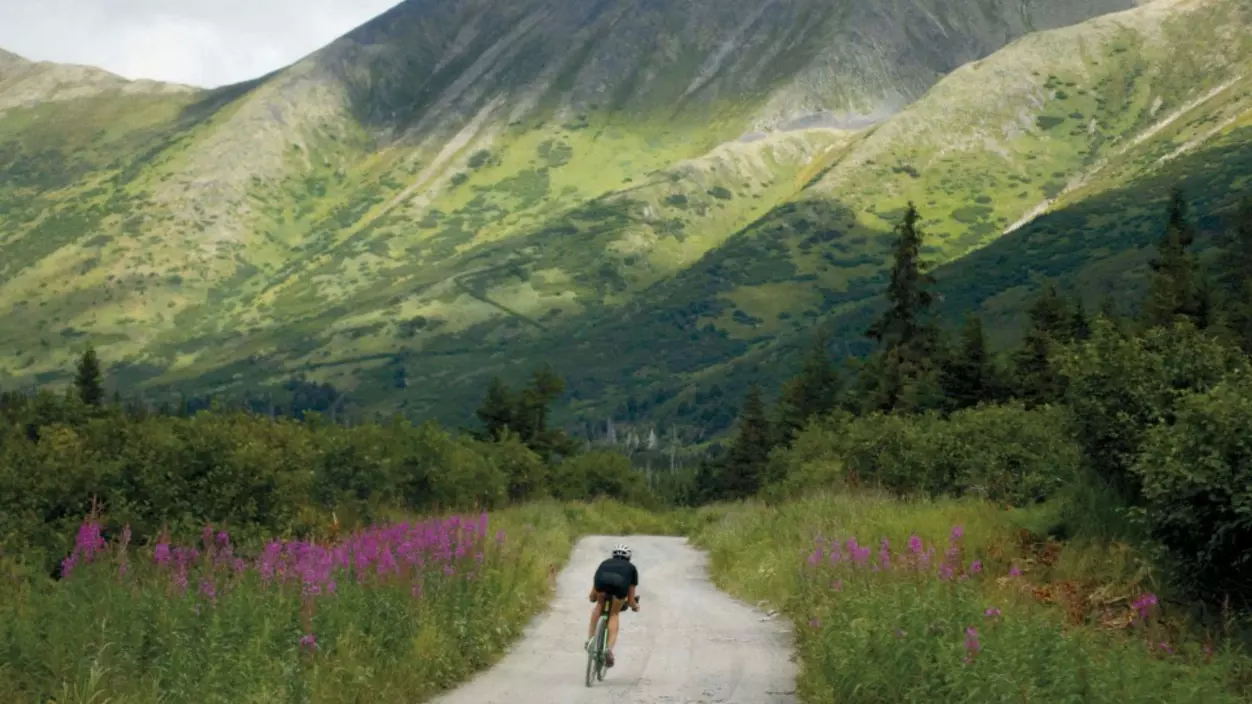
{"points": [[200, 43]]}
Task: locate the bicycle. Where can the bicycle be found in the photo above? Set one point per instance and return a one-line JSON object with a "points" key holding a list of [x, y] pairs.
{"points": [[597, 650]]}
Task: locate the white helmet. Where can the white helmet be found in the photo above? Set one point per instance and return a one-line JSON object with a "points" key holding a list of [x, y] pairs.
{"points": [[621, 550]]}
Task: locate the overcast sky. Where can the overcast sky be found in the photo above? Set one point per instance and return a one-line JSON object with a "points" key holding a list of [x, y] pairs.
{"points": [[201, 42]]}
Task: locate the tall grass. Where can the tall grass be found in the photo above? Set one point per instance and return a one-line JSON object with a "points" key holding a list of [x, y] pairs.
{"points": [[389, 613], [960, 601]]}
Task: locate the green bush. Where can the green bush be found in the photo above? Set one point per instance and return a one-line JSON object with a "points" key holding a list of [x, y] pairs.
{"points": [[1120, 387], [1196, 476], [256, 474], [1005, 453], [599, 474]]}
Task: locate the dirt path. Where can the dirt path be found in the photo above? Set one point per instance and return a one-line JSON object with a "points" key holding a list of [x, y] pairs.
{"points": [[689, 643]]}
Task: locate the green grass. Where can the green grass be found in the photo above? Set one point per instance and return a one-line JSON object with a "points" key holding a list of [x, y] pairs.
{"points": [[1051, 621], [234, 636]]}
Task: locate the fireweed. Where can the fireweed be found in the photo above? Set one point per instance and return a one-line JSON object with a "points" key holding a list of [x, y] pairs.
{"points": [[397, 610], [931, 623]]}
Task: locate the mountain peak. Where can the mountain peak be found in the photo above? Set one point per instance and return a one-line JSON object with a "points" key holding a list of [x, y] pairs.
{"points": [[437, 63], [8, 58]]}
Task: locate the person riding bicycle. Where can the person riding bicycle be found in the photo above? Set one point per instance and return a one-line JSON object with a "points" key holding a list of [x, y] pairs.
{"points": [[616, 579]]}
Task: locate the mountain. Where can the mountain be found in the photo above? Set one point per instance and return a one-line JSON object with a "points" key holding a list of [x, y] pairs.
{"points": [[659, 197]]}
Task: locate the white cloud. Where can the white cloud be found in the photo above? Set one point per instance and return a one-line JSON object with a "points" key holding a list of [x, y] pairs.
{"points": [[210, 43]]}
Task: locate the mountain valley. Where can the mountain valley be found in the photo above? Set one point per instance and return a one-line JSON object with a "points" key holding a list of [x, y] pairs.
{"points": [[659, 198]]}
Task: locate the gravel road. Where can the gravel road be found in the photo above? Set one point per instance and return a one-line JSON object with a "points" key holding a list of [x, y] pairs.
{"points": [[689, 643]]}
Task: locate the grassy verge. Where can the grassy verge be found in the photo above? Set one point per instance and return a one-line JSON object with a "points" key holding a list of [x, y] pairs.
{"points": [[958, 601], [393, 613]]}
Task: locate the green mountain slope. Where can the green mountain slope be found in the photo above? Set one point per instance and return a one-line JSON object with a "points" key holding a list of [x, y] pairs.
{"points": [[655, 195]]}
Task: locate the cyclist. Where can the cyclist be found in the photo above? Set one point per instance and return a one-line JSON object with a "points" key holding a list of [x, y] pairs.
{"points": [[616, 579]]}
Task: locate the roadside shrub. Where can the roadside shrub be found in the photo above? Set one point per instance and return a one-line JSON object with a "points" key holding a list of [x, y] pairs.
{"points": [[1120, 387], [1005, 453], [1196, 476]]}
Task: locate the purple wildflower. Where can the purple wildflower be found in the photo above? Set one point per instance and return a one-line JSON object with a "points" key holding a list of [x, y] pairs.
{"points": [[308, 641], [972, 646], [992, 612], [1143, 605], [915, 545], [975, 567]]}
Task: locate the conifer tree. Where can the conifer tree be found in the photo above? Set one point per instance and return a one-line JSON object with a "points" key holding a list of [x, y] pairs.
{"points": [[1174, 288], [1235, 275], [1080, 323], [496, 411], [88, 378], [901, 375], [969, 374], [813, 392], [744, 468], [1037, 380]]}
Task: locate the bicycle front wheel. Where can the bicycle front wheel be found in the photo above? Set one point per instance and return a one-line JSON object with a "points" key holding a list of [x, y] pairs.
{"points": [[594, 654]]}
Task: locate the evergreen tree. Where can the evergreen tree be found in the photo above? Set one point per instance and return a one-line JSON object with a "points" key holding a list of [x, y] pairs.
{"points": [[904, 323], [1235, 275], [744, 468], [902, 374], [496, 411], [1050, 315], [88, 379], [1080, 323], [1038, 381], [813, 392], [1174, 288], [969, 374]]}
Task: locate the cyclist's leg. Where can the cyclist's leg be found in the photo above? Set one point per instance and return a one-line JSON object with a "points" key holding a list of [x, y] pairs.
{"points": [[614, 615]]}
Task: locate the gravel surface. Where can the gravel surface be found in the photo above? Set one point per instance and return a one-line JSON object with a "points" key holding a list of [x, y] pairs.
{"points": [[689, 642]]}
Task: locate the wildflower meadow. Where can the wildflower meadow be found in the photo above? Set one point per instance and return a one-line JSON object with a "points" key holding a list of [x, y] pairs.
{"points": [[387, 613], [883, 612]]}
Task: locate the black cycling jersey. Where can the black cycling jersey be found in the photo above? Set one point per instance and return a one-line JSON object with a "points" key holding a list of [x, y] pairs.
{"points": [[615, 576]]}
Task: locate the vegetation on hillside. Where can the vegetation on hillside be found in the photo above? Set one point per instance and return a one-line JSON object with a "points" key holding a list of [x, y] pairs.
{"points": [[648, 236], [1134, 407]]}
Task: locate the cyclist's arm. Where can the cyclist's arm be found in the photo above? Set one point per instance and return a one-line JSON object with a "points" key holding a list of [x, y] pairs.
{"points": [[634, 583]]}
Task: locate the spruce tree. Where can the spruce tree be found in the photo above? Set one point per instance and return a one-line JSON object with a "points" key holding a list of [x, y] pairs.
{"points": [[496, 411], [1235, 275], [1050, 315], [902, 373], [969, 375], [88, 379], [903, 325], [744, 467], [1080, 323], [1174, 287], [1037, 380], [813, 392]]}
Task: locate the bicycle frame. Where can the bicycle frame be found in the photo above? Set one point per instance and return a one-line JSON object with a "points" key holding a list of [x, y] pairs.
{"points": [[597, 651]]}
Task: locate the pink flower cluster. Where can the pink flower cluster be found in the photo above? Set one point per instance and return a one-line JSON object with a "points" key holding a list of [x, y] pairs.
{"points": [[917, 558], [402, 551]]}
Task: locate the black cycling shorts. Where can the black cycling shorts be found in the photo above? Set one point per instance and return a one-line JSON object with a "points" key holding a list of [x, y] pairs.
{"points": [[612, 583]]}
